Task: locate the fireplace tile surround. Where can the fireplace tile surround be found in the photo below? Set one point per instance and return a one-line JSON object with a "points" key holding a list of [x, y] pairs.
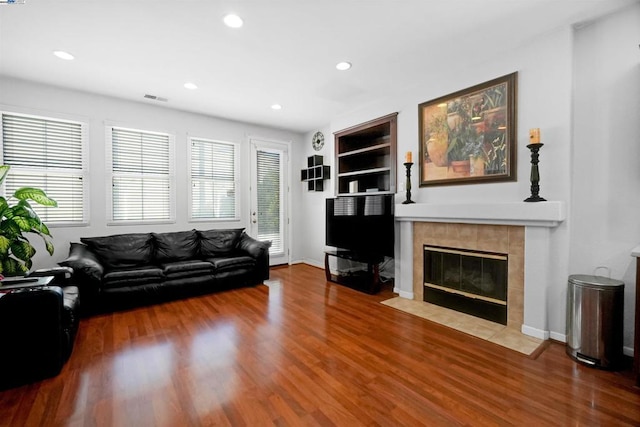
{"points": [[520, 229], [506, 239]]}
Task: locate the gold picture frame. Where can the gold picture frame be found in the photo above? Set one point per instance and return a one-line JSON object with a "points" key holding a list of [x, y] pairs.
{"points": [[470, 136]]}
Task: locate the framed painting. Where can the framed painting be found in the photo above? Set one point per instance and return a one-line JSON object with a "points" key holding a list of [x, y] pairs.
{"points": [[469, 136]]}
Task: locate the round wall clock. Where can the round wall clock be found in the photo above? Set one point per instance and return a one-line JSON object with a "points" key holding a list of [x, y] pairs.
{"points": [[317, 141]]}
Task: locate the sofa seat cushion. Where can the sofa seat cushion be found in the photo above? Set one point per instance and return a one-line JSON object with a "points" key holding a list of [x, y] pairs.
{"points": [[232, 263], [122, 250], [132, 276], [178, 246], [175, 270]]}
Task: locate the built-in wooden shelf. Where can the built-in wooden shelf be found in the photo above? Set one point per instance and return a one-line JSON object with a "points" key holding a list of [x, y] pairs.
{"points": [[366, 157]]}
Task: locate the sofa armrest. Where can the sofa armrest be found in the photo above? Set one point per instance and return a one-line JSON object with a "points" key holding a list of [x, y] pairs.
{"points": [[253, 247], [260, 251], [87, 270], [82, 260]]}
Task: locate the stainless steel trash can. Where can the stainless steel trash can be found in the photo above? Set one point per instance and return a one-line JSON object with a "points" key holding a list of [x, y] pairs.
{"points": [[595, 306]]}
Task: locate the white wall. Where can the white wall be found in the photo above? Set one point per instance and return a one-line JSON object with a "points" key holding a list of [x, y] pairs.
{"points": [[309, 229], [32, 98], [605, 220]]}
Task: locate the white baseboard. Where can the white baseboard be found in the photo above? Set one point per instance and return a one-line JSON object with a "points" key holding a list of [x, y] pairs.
{"points": [[403, 294], [314, 263], [627, 351], [534, 332], [556, 336]]}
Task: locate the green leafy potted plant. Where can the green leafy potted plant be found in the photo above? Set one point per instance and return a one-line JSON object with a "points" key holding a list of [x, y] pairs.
{"points": [[15, 220]]}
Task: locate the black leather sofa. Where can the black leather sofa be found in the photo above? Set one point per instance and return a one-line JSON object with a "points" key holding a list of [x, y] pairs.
{"points": [[39, 328], [138, 268]]}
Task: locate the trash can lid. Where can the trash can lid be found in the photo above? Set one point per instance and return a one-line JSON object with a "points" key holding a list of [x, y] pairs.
{"points": [[595, 281]]}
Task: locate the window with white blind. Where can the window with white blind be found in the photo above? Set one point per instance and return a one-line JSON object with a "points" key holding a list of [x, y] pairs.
{"points": [[213, 180], [141, 164], [269, 201], [47, 153]]}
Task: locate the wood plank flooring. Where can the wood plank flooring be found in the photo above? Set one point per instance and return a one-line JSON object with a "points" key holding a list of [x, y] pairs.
{"points": [[304, 352]]}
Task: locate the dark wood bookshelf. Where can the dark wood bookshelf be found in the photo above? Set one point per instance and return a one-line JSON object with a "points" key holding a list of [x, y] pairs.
{"points": [[366, 155]]}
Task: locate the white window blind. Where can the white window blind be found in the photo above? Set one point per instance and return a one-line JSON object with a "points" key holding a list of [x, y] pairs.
{"points": [[48, 154], [268, 193], [141, 175], [213, 179]]}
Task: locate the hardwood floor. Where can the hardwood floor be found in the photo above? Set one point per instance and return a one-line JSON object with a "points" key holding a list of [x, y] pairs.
{"points": [[306, 352]]}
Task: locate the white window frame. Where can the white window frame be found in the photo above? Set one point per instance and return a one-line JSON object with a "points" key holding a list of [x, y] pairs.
{"points": [[84, 173], [236, 174], [110, 177]]}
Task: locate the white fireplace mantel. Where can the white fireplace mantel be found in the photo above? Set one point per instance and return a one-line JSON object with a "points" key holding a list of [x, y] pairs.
{"points": [[539, 214], [537, 218]]}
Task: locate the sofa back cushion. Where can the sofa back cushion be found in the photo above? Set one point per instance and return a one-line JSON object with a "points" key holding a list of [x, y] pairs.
{"points": [[178, 246], [219, 242], [122, 250]]}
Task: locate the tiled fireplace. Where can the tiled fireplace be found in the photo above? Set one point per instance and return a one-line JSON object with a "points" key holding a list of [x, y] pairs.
{"points": [[518, 231], [468, 281], [476, 238]]}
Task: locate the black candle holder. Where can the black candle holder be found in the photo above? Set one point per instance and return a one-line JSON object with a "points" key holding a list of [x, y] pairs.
{"points": [[535, 174], [408, 186]]}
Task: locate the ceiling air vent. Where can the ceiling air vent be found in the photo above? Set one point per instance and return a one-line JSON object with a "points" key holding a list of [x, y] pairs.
{"points": [[156, 98]]}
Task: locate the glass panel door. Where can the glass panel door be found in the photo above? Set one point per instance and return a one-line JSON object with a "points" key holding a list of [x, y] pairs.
{"points": [[269, 216]]}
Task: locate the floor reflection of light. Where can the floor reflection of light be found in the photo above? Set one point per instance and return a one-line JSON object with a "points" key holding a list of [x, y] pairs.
{"points": [[141, 369], [81, 395], [212, 368], [330, 294], [214, 347], [275, 300]]}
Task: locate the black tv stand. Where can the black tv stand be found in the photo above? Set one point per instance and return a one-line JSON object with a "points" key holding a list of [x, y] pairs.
{"points": [[364, 280]]}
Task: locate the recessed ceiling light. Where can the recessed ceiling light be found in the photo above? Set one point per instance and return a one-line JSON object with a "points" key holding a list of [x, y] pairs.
{"points": [[343, 66], [233, 21], [190, 85], [276, 107], [63, 55]]}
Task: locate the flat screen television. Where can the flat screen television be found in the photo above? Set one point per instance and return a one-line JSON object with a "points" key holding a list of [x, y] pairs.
{"points": [[361, 224]]}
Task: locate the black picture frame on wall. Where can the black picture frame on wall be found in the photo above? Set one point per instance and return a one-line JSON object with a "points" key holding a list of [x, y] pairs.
{"points": [[469, 136]]}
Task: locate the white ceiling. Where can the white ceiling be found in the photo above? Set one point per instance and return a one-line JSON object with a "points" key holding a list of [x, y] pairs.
{"points": [[285, 53]]}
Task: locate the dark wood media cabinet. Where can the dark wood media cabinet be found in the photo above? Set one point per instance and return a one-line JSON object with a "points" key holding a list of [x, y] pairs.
{"points": [[363, 280]]}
